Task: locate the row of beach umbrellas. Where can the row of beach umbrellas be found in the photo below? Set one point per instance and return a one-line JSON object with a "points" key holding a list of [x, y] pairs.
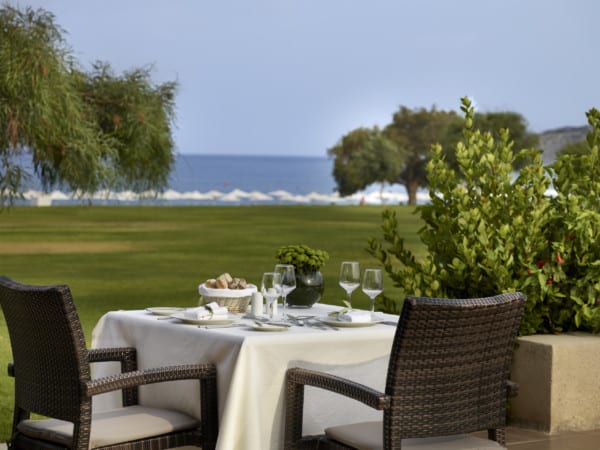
{"points": [[235, 196]]}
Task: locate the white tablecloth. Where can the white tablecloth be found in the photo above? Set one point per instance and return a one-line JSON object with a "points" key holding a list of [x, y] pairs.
{"points": [[251, 370]]}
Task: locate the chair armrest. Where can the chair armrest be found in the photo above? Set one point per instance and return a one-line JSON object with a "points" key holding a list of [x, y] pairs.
{"points": [[364, 394], [126, 355], [110, 354], [297, 378], [512, 389], [149, 376], [128, 358]]}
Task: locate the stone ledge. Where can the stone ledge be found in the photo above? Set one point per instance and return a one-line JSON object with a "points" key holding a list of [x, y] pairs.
{"points": [[559, 382]]}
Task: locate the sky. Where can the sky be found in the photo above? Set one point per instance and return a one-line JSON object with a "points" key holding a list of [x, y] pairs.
{"points": [[291, 77]]}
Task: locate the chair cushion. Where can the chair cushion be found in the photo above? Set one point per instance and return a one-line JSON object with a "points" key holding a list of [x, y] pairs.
{"points": [[369, 436], [113, 426]]}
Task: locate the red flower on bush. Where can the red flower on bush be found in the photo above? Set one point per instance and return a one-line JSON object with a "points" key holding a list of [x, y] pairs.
{"points": [[559, 260], [549, 281], [541, 263]]}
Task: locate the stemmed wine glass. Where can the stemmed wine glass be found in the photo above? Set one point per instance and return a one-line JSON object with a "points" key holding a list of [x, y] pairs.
{"points": [[349, 277], [372, 285], [288, 282], [270, 287]]}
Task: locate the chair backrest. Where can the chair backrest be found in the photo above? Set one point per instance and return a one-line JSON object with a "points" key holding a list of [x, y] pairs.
{"points": [[449, 365], [48, 348]]}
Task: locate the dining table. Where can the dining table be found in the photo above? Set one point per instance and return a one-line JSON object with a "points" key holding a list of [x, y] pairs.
{"points": [[252, 359]]}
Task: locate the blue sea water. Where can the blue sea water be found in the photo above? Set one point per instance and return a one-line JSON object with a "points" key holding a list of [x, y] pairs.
{"points": [[296, 175], [237, 180]]}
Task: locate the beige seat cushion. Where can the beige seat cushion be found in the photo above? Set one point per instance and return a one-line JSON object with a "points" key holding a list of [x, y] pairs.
{"points": [[114, 426], [369, 436]]}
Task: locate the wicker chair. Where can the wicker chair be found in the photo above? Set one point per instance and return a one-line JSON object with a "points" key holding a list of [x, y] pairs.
{"points": [[447, 378], [51, 367]]}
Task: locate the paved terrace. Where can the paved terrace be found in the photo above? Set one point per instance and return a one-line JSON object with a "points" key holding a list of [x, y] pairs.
{"points": [[521, 439]]}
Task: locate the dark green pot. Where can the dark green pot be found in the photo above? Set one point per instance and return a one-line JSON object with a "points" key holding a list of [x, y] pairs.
{"points": [[309, 289]]}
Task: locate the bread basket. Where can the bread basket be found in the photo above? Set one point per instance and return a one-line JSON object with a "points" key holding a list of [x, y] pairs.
{"points": [[236, 300]]}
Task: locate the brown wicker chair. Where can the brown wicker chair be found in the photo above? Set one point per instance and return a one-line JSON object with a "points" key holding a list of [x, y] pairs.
{"points": [[447, 377], [51, 366]]}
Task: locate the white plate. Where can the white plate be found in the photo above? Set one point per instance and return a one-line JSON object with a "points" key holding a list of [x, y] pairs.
{"points": [[268, 327], [181, 316], [342, 323], [164, 310]]}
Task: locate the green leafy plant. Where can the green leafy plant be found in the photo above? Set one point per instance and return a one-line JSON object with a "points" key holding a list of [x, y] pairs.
{"points": [[489, 230], [568, 271], [302, 257]]}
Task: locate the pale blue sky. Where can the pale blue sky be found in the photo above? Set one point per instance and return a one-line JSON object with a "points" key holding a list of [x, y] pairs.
{"points": [[290, 77]]}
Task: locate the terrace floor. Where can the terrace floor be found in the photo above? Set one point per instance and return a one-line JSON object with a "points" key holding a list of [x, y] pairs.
{"points": [[522, 439]]}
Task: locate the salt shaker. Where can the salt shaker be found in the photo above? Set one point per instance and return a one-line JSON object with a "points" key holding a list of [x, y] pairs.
{"points": [[257, 304]]}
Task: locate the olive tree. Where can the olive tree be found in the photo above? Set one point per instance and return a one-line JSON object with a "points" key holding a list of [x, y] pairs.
{"points": [[362, 157], [413, 132]]}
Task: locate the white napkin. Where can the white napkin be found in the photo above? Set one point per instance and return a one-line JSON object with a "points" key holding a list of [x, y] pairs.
{"points": [[210, 311], [355, 316]]}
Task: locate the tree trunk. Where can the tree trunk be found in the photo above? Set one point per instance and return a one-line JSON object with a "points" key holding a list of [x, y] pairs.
{"points": [[411, 190]]}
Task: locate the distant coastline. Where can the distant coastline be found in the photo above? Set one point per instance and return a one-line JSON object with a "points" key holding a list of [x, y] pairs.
{"points": [[216, 179]]}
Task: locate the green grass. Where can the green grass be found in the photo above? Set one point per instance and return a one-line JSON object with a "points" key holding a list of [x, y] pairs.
{"points": [[135, 257]]}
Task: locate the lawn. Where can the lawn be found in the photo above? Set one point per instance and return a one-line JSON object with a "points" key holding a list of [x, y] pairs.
{"points": [[135, 257]]}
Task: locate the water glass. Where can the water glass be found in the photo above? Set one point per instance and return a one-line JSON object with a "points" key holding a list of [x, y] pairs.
{"points": [[288, 283], [349, 277], [372, 285]]}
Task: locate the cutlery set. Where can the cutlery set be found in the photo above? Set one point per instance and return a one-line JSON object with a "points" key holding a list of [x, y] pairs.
{"points": [[299, 321], [311, 321]]}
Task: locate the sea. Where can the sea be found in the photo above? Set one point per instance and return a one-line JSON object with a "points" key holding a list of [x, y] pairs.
{"points": [[237, 180]]}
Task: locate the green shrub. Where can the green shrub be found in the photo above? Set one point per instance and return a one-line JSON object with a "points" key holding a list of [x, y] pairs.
{"points": [[489, 230], [569, 272], [302, 257]]}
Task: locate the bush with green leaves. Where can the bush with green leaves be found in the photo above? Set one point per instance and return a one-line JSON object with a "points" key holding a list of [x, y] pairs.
{"points": [[488, 230]]}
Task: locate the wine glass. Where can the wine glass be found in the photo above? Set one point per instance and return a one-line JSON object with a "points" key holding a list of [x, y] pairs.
{"points": [[270, 287], [372, 285], [349, 277], [288, 282]]}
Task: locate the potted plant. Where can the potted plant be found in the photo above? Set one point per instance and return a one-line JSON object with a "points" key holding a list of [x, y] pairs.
{"points": [[307, 263]]}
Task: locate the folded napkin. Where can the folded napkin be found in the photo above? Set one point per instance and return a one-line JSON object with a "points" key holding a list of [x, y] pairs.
{"points": [[355, 316], [210, 311]]}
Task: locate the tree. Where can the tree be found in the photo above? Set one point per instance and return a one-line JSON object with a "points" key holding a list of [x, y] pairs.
{"points": [[405, 147], [363, 157], [52, 112], [136, 116], [413, 132]]}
